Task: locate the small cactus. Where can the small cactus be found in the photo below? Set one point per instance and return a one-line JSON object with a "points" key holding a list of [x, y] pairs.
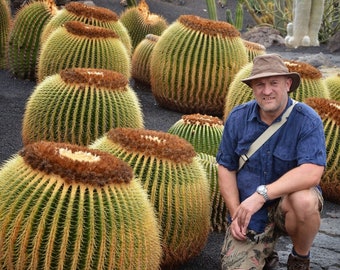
{"points": [[68, 207], [79, 105], [24, 39], [333, 85], [193, 63], [79, 45], [329, 111], [204, 132], [5, 22], [92, 15], [175, 181], [140, 22]]}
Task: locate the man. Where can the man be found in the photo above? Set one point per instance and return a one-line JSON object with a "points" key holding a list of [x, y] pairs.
{"points": [[276, 191]]}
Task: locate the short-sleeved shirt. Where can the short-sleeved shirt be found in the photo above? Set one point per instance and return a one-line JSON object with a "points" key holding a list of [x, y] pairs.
{"points": [[300, 140]]}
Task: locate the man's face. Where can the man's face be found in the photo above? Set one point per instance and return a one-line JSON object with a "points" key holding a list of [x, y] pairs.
{"points": [[271, 93]]}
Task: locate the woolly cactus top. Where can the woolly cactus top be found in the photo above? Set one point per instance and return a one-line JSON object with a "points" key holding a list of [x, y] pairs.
{"points": [[152, 37], [94, 77], [253, 46], [153, 143], [95, 12], [82, 29], [76, 163], [201, 119], [326, 108], [305, 70], [149, 18], [209, 27]]}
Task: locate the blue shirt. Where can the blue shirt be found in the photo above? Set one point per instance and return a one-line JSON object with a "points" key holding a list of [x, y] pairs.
{"points": [[300, 140]]}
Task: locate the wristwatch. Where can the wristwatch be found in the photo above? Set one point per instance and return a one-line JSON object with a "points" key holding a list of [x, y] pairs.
{"points": [[262, 190]]}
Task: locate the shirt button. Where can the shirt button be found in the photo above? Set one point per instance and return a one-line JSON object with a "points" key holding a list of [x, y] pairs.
{"points": [[268, 152], [264, 173]]}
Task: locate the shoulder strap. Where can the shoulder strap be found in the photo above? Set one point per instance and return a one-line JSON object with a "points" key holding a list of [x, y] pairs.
{"points": [[265, 136]]}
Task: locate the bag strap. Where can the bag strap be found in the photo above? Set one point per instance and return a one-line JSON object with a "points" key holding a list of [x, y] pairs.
{"points": [[265, 136]]}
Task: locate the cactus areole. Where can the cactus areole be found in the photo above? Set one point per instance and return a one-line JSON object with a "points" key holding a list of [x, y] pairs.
{"points": [[76, 163]]}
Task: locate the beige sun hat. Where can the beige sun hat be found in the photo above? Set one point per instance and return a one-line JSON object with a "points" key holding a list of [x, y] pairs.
{"points": [[268, 65]]}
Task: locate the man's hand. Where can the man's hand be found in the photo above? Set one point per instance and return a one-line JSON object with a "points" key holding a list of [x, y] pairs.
{"points": [[243, 214]]}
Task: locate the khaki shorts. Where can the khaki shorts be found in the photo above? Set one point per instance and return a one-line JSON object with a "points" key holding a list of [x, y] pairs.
{"points": [[251, 254]]}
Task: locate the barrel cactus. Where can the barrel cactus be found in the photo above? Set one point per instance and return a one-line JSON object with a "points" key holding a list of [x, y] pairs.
{"points": [[176, 184], [333, 85], [140, 22], [312, 85], [92, 15], [253, 49], [329, 111], [203, 131], [68, 207], [24, 39], [79, 105], [76, 44], [219, 211], [5, 21], [193, 63], [141, 56]]}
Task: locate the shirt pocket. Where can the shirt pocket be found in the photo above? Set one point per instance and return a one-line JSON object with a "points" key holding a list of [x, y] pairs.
{"points": [[284, 159]]}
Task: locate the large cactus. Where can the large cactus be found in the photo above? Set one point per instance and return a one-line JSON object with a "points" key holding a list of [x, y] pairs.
{"points": [[76, 44], [79, 105], [329, 111], [175, 182], [68, 207], [333, 85], [203, 131], [219, 211], [141, 59], [24, 39], [5, 21], [193, 63], [92, 15], [140, 22], [312, 85]]}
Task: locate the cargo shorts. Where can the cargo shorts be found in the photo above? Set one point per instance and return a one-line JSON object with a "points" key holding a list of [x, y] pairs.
{"points": [[251, 253]]}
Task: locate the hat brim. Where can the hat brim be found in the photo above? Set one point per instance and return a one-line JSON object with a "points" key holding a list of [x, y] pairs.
{"points": [[296, 79]]}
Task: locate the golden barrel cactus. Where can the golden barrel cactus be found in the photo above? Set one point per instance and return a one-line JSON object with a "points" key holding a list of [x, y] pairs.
{"points": [[140, 22], [24, 39], [76, 44], [141, 56], [312, 85], [79, 105], [253, 49], [333, 84], [193, 63], [68, 207], [203, 131], [5, 22], [92, 15], [329, 111], [219, 211], [175, 181]]}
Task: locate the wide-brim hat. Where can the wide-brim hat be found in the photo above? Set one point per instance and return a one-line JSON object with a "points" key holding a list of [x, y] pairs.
{"points": [[268, 65]]}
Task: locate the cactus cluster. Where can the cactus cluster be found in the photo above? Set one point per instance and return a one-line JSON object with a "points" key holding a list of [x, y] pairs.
{"points": [[68, 207], [79, 105], [24, 39], [92, 15], [329, 111], [76, 44], [193, 63], [175, 181], [5, 21]]}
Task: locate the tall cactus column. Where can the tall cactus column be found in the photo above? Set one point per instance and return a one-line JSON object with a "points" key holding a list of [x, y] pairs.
{"points": [[193, 63], [176, 184], [68, 207]]}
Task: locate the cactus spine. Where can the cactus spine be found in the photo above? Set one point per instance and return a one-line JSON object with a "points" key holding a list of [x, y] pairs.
{"points": [[193, 63], [5, 21], [24, 39], [79, 105], [204, 132], [329, 111], [65, 207], [76, 44], [92, 15], [175, 182]]}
